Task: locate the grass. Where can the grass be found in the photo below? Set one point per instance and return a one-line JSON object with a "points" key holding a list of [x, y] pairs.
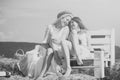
{"points": [[115, 71], [7, 64]]}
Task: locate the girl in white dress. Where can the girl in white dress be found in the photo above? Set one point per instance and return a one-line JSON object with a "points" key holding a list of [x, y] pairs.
{"points": [[77, 41], [55, 36]]}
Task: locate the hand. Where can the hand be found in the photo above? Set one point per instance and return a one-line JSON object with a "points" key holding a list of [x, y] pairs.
{"points": [[74, 31], [90, 48]]}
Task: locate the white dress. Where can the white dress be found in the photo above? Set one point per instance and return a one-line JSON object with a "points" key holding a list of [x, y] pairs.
{"points": [[54, 39], [83, 46], [56, 36]]}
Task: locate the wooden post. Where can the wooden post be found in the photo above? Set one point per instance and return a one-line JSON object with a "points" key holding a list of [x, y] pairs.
{"points": [[106, 63], [102, 64], [112, 48], [99, 72]]}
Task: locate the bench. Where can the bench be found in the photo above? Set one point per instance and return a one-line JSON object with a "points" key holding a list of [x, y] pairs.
{"points": [[102, 43]]}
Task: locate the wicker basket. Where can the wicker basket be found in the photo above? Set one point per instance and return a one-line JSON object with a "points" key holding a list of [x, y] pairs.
{"points": [[18, 55]]}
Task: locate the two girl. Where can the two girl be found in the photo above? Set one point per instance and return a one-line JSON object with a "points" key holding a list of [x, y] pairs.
{"points": [[67, 36]]}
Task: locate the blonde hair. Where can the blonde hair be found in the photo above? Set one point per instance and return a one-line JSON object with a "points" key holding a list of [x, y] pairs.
{"points": [[57, 23]]}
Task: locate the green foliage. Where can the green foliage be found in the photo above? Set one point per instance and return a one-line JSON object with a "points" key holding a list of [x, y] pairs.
{"points": [[115, 72]]}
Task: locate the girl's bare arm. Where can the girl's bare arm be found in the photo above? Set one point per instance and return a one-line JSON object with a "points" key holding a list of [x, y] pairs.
{"points": [[47, 35], [65, 33]]}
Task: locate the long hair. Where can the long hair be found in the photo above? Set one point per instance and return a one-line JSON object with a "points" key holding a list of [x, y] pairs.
{"points": [[79, 22], [57, 23]]}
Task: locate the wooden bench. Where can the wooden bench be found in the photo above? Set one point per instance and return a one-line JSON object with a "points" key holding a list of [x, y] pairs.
{"points": [[102, 43]]}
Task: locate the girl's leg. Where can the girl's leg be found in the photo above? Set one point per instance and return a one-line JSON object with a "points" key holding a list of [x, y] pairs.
{"points": [[48, 60], [66, 48], [79, 56], [77, 47], [85, 52]]}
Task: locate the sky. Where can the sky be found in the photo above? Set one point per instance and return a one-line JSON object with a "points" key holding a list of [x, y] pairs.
{"points": [[26, 20]]}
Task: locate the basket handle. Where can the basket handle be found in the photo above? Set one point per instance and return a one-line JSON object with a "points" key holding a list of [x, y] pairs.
{"points": [[23, 53]]}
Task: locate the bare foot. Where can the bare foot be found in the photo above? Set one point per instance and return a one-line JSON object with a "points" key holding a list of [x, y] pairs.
{"points": [[79, 62], [68, 72]]}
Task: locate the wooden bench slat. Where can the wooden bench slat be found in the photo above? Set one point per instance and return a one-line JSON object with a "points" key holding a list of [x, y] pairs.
{"points": [[77, 67], [100, 32], [97, 59], [104, 40]]}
